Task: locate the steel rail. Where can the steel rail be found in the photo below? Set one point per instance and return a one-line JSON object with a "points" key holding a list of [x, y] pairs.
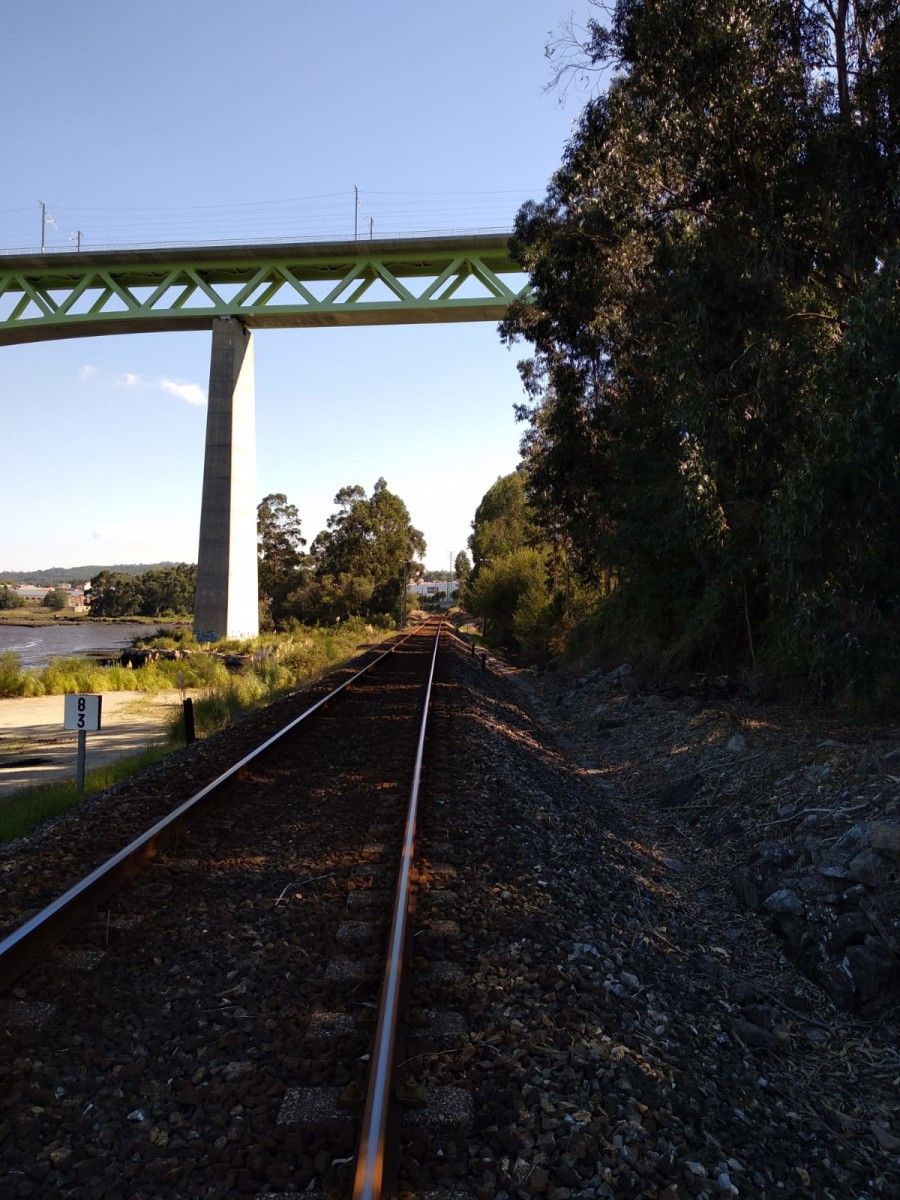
{"points": [[369, 1176], [23, 947]]}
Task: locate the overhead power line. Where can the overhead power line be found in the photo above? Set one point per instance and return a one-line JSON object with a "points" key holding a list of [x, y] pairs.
{"points": [[330, 216]]}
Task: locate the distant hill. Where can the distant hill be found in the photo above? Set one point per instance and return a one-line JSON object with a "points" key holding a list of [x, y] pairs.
{"points": [[51, 575]]}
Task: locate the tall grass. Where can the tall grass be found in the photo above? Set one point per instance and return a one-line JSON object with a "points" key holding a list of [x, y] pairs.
{"points": [[12, 677], [280, 662], [84, 675]]}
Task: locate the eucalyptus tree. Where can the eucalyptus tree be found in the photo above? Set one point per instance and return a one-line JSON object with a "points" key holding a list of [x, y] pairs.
{"points": [[280, 551], [369, 538], [462, 569], [712, 393], [502, 521]]}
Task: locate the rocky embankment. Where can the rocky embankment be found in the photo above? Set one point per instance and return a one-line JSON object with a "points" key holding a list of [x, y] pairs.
{"points": [[135, 658], [796, 812]]}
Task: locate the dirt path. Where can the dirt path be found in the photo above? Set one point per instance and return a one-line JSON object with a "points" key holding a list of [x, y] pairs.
{"points": [[34, 747]]}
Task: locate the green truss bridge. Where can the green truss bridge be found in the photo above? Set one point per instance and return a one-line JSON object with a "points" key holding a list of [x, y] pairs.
{"points": [[61, 295], [233, 290]]}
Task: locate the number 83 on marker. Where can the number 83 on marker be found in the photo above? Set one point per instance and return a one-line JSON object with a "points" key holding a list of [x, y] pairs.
{"points": [[82, 712]]}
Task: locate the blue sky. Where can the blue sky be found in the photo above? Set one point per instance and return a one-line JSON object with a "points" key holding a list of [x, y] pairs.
{"points": [[217, 119]]}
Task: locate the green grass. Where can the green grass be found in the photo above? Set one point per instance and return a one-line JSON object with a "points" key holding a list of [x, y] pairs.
{"points": [[281, 662], [86, 675], [22, 811], [37, 616]]}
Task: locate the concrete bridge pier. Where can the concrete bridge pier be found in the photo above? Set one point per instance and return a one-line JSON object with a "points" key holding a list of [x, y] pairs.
{"points": [[227, 600]]}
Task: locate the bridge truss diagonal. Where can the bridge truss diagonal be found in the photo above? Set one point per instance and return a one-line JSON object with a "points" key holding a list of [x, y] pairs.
{"points": [[412, 280]]}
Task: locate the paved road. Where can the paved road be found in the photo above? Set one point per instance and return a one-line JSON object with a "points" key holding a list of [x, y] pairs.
{"points": [[34, 747]]}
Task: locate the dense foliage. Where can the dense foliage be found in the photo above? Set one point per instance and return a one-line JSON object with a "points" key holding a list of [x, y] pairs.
{"points": [[503, 521], [511, 593], [713, 393], [521, 583], [462, 568], [357, 566], [159, 592], [9, 598], [280, 552], [56, 599]]}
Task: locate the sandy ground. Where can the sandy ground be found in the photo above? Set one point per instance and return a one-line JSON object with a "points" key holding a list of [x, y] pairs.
{"points": [[34, 747]]}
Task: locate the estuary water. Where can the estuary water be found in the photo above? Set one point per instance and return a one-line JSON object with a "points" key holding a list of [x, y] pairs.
{"points": [[36, 645]]}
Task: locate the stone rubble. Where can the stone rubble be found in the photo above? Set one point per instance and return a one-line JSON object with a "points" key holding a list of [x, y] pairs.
{"points": [[801, 813], [633, 1030]]}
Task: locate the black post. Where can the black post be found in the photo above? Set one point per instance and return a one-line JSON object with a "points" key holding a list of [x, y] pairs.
{"points": [[189, 734]]}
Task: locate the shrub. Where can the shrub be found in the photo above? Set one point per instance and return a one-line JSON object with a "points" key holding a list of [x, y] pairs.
{"points": [[9, 598], [56, 599], [502, 586], [12, 681]]}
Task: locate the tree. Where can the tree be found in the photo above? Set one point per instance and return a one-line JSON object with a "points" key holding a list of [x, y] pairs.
{"points": [[330, 598], [714, 277], [166, 591], [114, 594], [56, 599], [9, 598], [502, 521], [369, 538], [462, 569], [512, 593], [159, 592], [281, 557]]}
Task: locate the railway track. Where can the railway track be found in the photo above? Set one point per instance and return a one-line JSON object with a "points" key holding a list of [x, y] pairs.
{"points": [[226, 1007], [571, 1019]]}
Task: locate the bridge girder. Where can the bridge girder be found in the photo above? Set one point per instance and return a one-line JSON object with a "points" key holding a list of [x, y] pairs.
{"points": [[384, 282]]}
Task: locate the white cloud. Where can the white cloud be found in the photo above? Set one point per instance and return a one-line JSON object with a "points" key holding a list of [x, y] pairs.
{"points": [[87, 371], [191, 393]]}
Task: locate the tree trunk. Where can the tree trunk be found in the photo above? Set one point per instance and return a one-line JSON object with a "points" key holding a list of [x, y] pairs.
{"points": [[840, 52]]}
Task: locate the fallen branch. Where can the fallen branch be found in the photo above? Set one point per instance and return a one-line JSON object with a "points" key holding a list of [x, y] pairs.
{"points": [[299, 883]]}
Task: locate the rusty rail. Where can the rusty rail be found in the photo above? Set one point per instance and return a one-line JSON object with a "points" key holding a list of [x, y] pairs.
{"points": [[25, 946], [369, 1177]]}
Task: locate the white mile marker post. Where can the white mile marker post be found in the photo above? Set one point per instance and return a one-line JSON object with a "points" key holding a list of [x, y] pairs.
{"points": [[82, 713]]}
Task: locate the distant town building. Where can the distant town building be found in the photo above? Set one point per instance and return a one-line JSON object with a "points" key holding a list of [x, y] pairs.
{"points": [[442, 589], [78, 595], [29, 591]]}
